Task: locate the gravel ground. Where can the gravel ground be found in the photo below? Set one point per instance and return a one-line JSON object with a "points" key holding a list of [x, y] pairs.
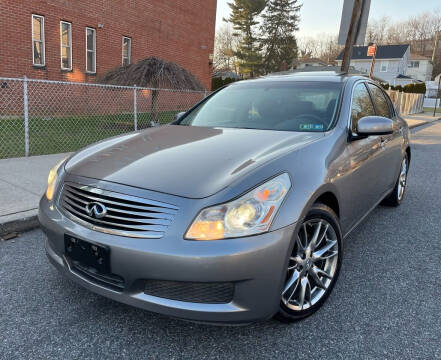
{"points": [[386, 303]]}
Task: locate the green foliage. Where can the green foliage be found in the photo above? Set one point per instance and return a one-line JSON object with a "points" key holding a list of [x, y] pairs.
{"points": [[385, 86], [278, 42], [243, 17], [217, 82], [397, 88], [418, 88]]}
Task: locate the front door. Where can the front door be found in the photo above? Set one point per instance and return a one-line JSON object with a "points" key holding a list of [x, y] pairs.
{"points": [[361, 173], [390, 159]]}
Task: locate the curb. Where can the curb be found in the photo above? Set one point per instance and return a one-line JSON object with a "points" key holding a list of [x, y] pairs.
{"points": [[19, 225], [423, 123], [418, 125]]}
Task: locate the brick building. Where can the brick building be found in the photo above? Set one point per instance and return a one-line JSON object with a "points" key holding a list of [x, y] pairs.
{"points": [[78, 40]]}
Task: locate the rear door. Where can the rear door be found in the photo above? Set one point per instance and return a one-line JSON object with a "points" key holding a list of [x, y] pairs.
{"points": [[390, 155]]}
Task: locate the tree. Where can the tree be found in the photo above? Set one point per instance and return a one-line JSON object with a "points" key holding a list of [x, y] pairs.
{"points": [[377, 31], [224, 50], [278, 42], [324, 47], [244, 18]]}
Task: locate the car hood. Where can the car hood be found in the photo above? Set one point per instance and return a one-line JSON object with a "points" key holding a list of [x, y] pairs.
{"points": [[187, 161]]}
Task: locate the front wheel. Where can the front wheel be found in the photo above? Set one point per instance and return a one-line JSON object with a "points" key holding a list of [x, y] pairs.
{"points": [[313, 266]]}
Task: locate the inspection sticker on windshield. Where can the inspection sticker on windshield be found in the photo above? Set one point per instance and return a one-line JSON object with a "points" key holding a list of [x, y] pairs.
{"points": [[316, 127]]}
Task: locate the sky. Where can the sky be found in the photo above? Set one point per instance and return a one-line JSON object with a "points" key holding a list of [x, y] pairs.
{"points": [[327, 19]]}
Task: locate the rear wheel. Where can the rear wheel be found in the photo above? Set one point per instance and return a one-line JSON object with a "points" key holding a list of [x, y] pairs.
{"points": [[313, 266], [397, 195]]}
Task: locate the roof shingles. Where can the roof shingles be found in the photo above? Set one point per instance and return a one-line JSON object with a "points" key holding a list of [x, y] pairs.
{"points": [[383, 52]]}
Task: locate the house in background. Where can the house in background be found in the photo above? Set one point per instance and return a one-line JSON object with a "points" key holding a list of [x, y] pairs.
{"points": [[420, 67], [80, 40], [299, 64], [391, 63]]}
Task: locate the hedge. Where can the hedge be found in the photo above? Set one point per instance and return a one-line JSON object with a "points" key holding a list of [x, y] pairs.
{"points": [[418, 88], [217, 82]]}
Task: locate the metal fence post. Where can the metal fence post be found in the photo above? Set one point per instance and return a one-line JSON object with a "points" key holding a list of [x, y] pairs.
{"points": [[26, 114], [135, 110]]}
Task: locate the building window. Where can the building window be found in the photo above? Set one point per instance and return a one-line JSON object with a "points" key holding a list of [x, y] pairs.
{"points": [[38, 40], [66, 45], [414, 64], [126, 50], [90, 50], [384, 66]]}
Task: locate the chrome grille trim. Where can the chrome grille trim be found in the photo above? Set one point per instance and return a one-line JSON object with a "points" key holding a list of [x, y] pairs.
{"points": [[127, 215]]}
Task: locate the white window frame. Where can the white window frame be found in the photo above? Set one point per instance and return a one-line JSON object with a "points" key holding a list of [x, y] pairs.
{"points": [[42, 41], [129, 52], [94, 50], [412, 64], [385, 64], [61, 45]]}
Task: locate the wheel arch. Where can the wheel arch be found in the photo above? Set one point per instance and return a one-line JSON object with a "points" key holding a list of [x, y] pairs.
{"points": [[408, 152], [329, 199]]}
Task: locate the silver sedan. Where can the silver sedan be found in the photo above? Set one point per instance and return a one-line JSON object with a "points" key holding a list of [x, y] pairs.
{"points": [[237, 210]]}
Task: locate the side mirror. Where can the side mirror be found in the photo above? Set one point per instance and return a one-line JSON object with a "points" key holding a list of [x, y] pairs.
{"points": [[374, 125], [178, 116]]}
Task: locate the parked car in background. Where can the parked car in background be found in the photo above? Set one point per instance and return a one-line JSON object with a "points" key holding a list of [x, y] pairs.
{"points": [[236, 211]]}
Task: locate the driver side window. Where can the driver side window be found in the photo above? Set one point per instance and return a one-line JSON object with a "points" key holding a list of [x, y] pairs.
{"points": [[361, 105]]}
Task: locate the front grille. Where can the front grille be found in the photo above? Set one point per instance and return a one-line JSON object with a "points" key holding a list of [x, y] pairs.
{"points": [[126, 215], [195, 292]]}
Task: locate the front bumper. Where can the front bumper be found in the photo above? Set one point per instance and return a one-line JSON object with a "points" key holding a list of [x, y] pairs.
{"points": [[255, 265]]}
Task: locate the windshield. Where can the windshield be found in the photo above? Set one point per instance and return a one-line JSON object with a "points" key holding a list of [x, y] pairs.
{"points": [[294, 106]]}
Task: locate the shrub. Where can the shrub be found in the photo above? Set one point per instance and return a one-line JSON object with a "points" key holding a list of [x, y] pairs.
{"points": [[418, 88], [217, 82], [397, 88]]}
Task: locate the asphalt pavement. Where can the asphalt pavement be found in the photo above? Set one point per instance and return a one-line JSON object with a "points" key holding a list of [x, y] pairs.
{"points": [[385, 305]]}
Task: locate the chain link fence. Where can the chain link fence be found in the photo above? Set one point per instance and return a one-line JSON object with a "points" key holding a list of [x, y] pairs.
{"points": [[44, 117]]}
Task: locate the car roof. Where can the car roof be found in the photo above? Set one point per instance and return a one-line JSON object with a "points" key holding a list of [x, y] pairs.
{"points": [[307, 76]]}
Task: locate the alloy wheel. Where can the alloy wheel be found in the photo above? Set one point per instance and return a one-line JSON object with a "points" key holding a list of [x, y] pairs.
{"points": [[402, 179], [312, 265]]}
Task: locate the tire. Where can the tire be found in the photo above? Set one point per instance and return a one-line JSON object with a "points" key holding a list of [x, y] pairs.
{"points": [[291, 308], [396, 197]]}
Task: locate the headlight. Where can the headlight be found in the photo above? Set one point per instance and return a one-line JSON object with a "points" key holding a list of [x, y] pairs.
{"points": [[52, 180], [251, 214]]}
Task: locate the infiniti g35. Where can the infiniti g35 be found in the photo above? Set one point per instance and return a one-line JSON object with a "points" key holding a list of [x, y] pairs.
{"points": [[238, 209]]}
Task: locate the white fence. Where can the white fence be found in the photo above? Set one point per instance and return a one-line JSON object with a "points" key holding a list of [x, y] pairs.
{"points": [[44, 117], [407, 103]]}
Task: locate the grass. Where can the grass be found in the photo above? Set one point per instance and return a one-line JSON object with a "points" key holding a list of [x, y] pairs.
{"points": [[430, 109], [64, 134]]}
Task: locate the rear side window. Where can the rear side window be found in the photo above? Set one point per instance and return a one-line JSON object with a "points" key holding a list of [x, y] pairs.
{"points": [[361, 105], [381, 104]]}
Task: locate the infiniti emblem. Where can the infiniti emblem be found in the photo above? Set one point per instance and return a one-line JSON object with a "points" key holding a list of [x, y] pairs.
{"points": [[96, 210]]}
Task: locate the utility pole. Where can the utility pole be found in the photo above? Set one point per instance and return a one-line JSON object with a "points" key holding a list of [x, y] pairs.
{"points": [[437, 96], [352, 33], [435, 46]]}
